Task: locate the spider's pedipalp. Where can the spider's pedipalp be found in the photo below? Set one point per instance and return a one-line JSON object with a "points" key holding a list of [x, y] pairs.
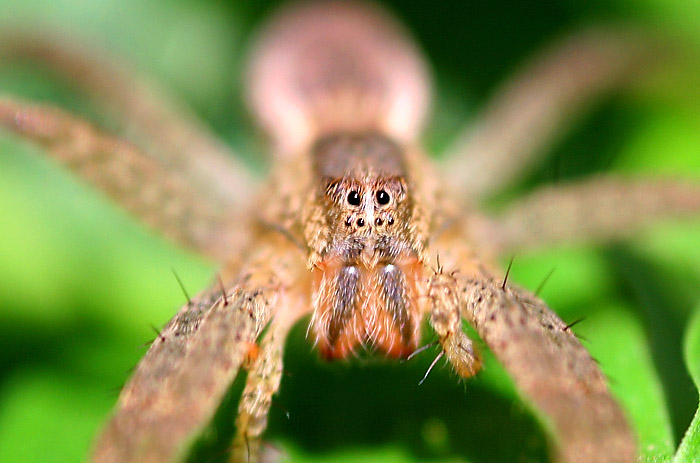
{"points": [[279, 261], [446, 320]]}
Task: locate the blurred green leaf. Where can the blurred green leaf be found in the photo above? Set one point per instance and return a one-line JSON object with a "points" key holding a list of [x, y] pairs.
{"points": [[628, 363], [689, 450]]}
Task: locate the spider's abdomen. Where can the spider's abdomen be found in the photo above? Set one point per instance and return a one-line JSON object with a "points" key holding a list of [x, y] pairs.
{"points": [[376, 306], [331, 66]]}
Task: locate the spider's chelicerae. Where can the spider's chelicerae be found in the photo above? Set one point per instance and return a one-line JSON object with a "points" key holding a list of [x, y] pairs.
{"points": [[355, 227]]}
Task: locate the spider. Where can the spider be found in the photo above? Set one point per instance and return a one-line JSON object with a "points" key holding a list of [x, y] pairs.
{"points": [[354, 226]]}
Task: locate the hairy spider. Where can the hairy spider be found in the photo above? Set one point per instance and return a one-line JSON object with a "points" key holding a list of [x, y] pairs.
{"points": [[355, 226]]}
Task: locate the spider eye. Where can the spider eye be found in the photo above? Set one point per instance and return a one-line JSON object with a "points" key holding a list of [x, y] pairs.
{"points": [[354, 198], [383, 197]]}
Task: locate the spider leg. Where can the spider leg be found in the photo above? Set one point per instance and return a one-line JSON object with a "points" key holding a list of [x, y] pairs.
{"points": [[597, 209], [179, 384], [552, 369], [545, 359], [532, 107], [166, 199], [147, 115], [262, 383]]}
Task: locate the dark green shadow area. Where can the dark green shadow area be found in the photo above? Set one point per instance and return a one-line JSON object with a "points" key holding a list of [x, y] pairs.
{"points": [[367, 403], [83, 347], [59, 382], [593, 142]]}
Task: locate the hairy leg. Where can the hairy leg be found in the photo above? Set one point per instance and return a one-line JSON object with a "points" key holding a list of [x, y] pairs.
{"points": [[165, 199], [147, 115], [545, 359], [597, 209], [531, 108], [552, 370], [179, 384], [261, 385]]}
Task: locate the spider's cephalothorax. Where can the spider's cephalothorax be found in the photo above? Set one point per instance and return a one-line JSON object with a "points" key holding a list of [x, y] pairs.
{"points": [[367, 263]]}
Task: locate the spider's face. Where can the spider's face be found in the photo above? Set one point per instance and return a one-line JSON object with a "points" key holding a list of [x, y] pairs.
{"points": [[367, 274]]}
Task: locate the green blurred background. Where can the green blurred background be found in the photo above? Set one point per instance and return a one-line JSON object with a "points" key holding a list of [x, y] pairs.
{"points": [[81, 284]]}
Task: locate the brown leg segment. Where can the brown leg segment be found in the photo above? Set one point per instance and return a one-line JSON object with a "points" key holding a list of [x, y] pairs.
{"points": [[552, 370], [261, 385], [596, 209], [179, 384], [549, 365], [146, 113], [532, 107], [164, 198], [181, 381]]}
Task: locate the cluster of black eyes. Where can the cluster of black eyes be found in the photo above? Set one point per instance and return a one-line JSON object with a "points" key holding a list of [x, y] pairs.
{"points": [[354, 199], [361, 222]]}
